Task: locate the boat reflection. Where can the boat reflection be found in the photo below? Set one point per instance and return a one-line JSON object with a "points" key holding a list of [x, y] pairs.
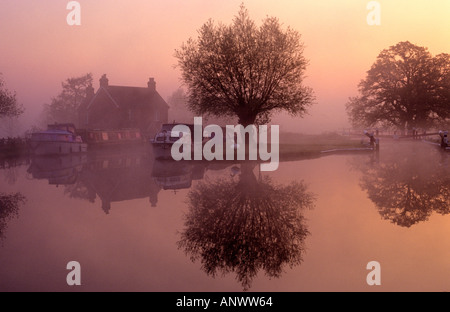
{"points": [[115, 176], [243, 224], [176, 175], [408, 183], [58, 170]]}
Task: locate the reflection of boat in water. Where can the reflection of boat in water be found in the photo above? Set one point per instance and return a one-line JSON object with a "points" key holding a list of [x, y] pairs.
{"points": [[118, 177], [175, 175], [166, 137], [58, 170], [58, 139]]}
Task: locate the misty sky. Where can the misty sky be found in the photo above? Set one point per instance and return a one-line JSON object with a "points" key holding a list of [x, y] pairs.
{"points": [[133, 40]]}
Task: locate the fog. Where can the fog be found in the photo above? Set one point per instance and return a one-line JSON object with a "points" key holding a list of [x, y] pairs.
{"points": [[131, 41]]}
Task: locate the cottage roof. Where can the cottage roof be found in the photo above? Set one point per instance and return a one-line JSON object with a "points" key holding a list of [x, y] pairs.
{"points": [[131, 97], [128, 97]]}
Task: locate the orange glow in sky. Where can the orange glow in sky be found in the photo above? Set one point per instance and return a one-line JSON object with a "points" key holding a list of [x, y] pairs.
{"points": [[133, 40]]}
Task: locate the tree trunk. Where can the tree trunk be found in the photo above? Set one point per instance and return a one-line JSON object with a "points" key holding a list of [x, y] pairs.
{"points": [[246, 120]]}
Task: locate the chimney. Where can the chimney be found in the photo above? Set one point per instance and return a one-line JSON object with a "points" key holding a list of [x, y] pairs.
{"points": [[104, 81], [151, 84], [89, 92]]}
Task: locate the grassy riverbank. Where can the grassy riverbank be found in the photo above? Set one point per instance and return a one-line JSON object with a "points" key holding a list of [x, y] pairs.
{"points": [[302, 145]]}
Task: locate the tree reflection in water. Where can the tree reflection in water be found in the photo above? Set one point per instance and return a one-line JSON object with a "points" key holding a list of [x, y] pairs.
{"points": [[9, 208], [245, 224], [408, 184]]}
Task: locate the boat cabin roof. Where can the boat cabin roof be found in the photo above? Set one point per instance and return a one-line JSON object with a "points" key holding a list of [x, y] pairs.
{"points": [[52, 132], [169, 127], [69, 127]]}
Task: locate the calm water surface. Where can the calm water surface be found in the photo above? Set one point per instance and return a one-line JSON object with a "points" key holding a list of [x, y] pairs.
{"points": [[136, 224]]}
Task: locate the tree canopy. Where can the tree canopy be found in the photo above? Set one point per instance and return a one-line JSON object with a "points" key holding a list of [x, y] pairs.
{"points": [[243, 71], [405, 88], [64, 107], [8, 102]]}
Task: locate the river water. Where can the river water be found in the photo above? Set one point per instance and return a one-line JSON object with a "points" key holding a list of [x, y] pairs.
{"points": [[137, 224]]}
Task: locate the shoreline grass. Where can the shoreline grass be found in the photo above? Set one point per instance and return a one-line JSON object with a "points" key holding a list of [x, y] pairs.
{"points": [[298, 145]]}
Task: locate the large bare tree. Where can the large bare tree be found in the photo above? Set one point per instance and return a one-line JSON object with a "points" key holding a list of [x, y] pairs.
{"points": [[244, 71]]}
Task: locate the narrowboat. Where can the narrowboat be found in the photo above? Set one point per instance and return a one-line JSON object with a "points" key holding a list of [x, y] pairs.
{"points": [[100, 138]]}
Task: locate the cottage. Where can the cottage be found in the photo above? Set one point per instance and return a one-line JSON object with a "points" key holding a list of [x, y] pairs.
{"points": [[120, 107]]}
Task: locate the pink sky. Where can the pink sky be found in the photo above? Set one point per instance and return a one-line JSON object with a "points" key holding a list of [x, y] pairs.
{"points": [[133, 40]]}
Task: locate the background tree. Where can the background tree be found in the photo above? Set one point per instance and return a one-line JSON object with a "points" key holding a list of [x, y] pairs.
{"points": [[178, 108], [406, 87], [245, 224], [442, 62], [179, 111], [244, 71], [64, 107], [8, 102], [10, 109]]}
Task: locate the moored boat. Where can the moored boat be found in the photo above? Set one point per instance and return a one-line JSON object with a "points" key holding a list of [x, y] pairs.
{"points": [[58, 139], [163, 140], [101, 138]]}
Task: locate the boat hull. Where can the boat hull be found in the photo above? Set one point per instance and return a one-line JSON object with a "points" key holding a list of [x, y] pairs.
{"points": [[162, 150], [57, 148]]}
